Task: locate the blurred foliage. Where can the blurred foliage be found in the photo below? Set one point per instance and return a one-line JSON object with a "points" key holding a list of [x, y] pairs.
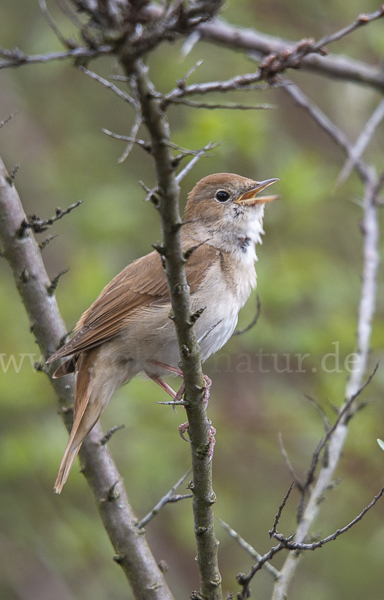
{"points": [[309, 278]]}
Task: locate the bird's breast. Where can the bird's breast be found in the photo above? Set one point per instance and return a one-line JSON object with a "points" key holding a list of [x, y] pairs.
{"points": [[222, 294]]}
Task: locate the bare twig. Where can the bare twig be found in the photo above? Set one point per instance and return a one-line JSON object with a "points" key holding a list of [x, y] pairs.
{"points": [[40, 225], [17, 58], [105, 439], [7, 119], [240, 82], [314, 545], [361, 21], [127, 138], [230, 36], [279, 512], [197, 154], [244, 580], [110, 86], [254, 320], [134, 131], [288, 463], [337, 434], [248, 548], [164, 500], [227, 106], [55, 281], [361, 143], [54, 27]]}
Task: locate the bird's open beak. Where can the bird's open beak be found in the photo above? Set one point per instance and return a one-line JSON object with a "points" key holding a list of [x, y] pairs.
{"points": [[250, 198]]}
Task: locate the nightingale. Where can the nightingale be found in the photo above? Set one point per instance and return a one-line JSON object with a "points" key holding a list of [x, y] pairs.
{"points": [[128, 331]]}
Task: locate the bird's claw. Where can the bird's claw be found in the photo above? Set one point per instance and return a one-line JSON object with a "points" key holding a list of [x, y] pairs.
{"points": [[182, 429], [212, 442], [207, 389]]}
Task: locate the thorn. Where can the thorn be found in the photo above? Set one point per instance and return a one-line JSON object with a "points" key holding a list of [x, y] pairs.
{"points": [[113, 493], [11, 178], [159, 248], [196, 315], [25, 276], [45, 242], [7, 119], [109, 434], [24, 227], [51, 288]]}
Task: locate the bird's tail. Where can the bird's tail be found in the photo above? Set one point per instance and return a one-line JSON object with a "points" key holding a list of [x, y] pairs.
{"points": [[86, 414]]}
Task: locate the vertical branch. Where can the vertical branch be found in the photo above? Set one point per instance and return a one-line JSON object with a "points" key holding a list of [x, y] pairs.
{"points": [[24, 258], [166, 199], [370, 230], [371, 234]]}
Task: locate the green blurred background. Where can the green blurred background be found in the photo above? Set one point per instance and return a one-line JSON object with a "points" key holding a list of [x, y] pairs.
{"points": [[309, 277]]}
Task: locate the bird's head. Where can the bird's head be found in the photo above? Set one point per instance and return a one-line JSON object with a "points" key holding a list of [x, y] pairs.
{"points": [[224, 207]]}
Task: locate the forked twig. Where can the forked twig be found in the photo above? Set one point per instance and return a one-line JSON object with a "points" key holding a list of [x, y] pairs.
{"points": [[164, 500]]}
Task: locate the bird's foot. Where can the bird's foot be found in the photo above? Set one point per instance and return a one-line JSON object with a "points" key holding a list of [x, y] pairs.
{"points": [[180, 393], [182, 429], [207, 389], [212, 442]]}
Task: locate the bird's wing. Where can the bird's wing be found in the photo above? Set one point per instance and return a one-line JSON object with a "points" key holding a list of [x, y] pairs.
{"points": [[140, 284]]}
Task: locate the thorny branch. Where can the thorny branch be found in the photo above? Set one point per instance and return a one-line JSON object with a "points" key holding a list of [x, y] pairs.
{"points": [[167, 203], [176, 19], [24, 257], [168, 497], [372, 185], [40, 225], [287, 543]]}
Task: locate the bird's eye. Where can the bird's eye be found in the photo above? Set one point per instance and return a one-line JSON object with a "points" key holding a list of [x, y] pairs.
{"points": [[222, 196]]}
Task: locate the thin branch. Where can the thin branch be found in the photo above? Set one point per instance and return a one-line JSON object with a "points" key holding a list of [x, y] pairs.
{"points": [[251, 40], [134, 131], [288, 463], [147, 146], [314, 545], [47, 16], [164, 500], [361, 143], [337, 435], [240, 82], [40, 225], [197, 155], [248, 548], [55, 282], [7, 119], [227, 106], [199, 425], [110, 86], [361, 21], [280, 511], [343, 416], [17, 58], [181, 83], [244, 580], [254, 320], [105, 439]]}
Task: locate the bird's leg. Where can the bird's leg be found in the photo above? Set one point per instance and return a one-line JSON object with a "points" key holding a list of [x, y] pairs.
{"points": [[167, 388], [174, 370]]}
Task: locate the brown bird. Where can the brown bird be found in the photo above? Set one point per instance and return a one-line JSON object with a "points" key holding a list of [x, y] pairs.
{"points": [[127, 330]]}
